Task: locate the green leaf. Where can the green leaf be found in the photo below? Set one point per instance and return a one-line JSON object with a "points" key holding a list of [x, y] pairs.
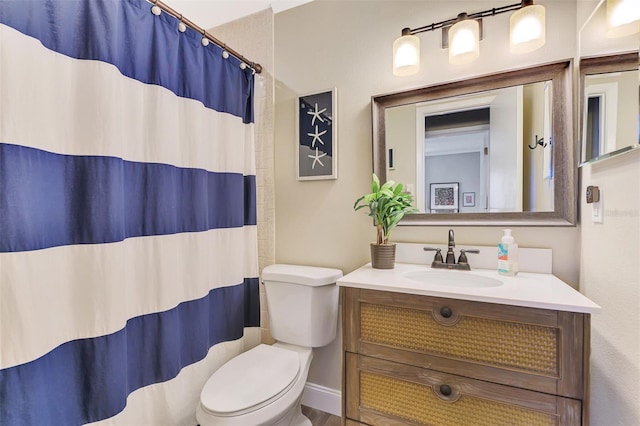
{"points": [[387, 206], [375, 184]]}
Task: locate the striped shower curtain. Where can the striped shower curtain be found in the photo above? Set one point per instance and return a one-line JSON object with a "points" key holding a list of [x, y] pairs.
{"points": [[128, 241]]}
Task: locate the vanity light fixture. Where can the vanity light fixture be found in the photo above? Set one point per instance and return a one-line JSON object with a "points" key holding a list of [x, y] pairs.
{"points": [[527, 28], [406, 54], [623, 18], [462, 36], [464, 40]]}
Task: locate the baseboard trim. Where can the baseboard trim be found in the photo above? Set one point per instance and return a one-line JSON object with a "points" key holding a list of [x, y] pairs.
{"points": [[322, 398]]}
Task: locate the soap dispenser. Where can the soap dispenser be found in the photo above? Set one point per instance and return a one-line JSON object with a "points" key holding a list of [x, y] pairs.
{"points": [[507, 255]]}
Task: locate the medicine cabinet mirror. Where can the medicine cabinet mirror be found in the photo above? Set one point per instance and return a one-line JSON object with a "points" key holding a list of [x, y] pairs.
{"points": [[609, 91], [610, 105], [493, 150]]}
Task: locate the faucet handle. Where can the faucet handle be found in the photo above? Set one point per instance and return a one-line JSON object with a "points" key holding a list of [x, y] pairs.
{"points": [[438, 255], [463, 256]]}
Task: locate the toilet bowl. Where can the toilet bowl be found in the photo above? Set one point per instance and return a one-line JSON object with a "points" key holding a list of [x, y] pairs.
{"points": [[264, 385]]}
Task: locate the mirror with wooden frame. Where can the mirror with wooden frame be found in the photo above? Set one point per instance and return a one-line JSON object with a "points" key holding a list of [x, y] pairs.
{"points": [[492, 150]]}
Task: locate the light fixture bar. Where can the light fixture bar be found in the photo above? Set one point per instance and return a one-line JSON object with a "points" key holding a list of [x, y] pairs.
{"points": [[461, 36], [485, 13]]}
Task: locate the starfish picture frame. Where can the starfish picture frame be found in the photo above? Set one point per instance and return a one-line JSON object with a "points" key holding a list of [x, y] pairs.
{"points": [[317, 135]]}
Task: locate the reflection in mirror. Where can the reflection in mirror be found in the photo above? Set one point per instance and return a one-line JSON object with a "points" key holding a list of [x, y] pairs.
{"points": [[493, 148], [609, 96], [610, 106], [490, 150]]}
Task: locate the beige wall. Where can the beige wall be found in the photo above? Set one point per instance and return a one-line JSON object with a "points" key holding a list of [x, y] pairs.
{"points": [[348, 44]]}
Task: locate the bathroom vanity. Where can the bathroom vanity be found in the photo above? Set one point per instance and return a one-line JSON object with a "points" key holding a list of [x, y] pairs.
{"points": [[463, 348]]}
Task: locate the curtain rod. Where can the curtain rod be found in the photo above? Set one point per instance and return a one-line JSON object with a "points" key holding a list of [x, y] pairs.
{"points": [[166, 8]]}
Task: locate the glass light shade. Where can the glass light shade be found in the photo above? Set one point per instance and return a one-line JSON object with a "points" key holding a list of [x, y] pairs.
{"points": [[527, 29], [406, 55], [464, 41], [623, 18]]}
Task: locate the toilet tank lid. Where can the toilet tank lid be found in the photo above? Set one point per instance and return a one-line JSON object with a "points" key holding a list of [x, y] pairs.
{"points": [[313, 276]]}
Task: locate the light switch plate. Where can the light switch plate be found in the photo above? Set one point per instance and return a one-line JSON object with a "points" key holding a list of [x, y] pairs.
{"points": [[410, 188], [597, 211]]}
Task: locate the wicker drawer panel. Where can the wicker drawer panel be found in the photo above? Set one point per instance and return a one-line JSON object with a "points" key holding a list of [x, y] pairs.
{"points": [[526, 347], [418, 403]]}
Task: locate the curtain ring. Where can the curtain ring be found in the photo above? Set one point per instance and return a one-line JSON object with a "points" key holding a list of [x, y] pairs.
{"points": [[155, 9], [205, 40], [181, 26]]}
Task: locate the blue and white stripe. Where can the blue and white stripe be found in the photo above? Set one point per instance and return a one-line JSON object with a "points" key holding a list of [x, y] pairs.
{"points": [[128, 241]]}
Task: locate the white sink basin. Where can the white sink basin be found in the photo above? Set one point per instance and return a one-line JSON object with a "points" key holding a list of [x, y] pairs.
{"points": [[446, 278]]}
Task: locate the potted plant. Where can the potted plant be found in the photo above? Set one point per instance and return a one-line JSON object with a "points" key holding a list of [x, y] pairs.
{"points": [[387, 205]]}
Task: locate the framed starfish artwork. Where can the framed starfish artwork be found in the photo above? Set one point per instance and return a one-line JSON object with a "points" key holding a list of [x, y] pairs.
{"points": [[317, 135]]}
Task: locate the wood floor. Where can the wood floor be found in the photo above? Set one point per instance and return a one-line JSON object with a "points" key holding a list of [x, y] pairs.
{"points": [[320, 418]]}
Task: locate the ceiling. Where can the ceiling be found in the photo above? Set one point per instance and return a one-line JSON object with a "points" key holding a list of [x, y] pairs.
{"points": [[211, 13]]}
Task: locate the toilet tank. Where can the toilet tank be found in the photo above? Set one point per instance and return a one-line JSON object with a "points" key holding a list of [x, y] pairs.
{"points": [[302, 303]]}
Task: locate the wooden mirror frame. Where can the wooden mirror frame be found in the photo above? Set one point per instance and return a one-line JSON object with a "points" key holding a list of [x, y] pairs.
{"points": [[564, 163]]}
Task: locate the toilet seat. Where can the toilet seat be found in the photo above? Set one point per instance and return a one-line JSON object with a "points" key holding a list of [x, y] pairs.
{"points": [[250, 381]]}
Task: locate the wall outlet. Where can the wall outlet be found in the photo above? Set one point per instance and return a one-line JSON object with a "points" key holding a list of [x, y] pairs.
{"points": [[597, 211]]}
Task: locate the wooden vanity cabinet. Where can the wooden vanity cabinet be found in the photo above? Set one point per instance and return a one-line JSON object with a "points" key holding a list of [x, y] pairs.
{"points": [[422, 360]]}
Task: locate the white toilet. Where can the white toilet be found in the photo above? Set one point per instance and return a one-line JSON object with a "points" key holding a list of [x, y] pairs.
{"points": [[264, 385]]}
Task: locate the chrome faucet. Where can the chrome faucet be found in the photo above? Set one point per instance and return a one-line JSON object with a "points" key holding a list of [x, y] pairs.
{"points": [[450, 262]]}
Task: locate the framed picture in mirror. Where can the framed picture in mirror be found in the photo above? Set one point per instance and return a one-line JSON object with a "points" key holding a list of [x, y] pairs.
{"points": [[468, 199], [444, 197]]}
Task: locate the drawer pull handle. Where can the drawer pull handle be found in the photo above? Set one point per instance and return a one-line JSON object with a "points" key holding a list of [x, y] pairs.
{"points": [[446, 312], [445, 390]]}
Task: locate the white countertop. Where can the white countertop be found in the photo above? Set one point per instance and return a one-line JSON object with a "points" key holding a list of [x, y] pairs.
{"points": [[544, 291]]}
